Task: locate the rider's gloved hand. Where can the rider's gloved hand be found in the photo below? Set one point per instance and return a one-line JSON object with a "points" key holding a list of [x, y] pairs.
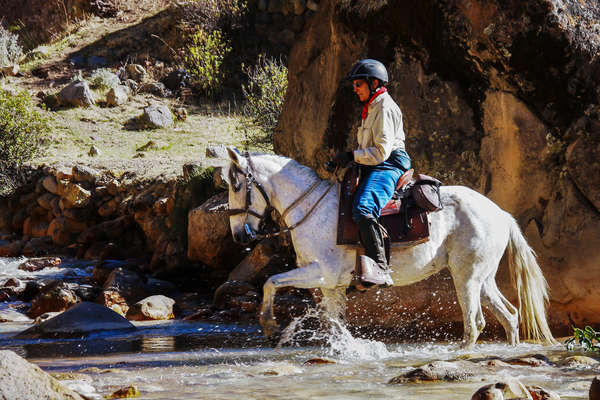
{"points": [[330, 166], [342, 158]]}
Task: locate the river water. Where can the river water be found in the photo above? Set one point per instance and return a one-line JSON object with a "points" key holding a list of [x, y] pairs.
{"points": [[207, 360]]}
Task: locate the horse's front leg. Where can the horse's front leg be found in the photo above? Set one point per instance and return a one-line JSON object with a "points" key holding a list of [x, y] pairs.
{"points": [[311, 276]]}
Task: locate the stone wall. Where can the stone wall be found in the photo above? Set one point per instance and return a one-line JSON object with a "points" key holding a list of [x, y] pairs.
{"points": [[82, 212]]}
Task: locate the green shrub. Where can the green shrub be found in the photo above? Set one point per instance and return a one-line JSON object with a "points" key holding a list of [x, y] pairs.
{"points": [[103, 78], [204, 58], [264, 95], [21, 128], [587, 338], [10, 50]]}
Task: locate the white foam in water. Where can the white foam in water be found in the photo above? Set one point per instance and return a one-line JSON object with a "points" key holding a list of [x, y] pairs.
{"points": [[339, 342], [9, 269]]}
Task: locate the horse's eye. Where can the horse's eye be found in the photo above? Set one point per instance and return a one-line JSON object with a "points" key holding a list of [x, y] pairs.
{"points": [[236, 186]]}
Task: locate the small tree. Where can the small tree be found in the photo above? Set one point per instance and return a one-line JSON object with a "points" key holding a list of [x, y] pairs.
{"points": [[204, 58], [264, 94], [10, 50], [21, 128]]}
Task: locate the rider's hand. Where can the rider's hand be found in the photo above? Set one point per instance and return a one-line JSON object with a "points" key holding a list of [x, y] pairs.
{"points": [[343, 157]]}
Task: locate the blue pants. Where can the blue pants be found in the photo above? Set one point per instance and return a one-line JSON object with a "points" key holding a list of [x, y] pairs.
{"points": [[377, 185]]}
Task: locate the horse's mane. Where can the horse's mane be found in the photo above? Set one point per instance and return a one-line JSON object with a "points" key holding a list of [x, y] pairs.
{"points": [[288, 166]]}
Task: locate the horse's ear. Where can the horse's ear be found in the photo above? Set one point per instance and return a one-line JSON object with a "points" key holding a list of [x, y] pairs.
{"points": [[236, 158]]}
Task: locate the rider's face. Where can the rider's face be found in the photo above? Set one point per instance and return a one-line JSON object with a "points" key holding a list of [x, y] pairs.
{"points": [[361, 89]]}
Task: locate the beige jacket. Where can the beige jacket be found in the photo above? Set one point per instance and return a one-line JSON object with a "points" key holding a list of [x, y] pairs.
{"points": [[381, 132]]}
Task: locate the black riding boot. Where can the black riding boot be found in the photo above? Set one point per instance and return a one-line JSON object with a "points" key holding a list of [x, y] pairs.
{"points": [[374, 267]]}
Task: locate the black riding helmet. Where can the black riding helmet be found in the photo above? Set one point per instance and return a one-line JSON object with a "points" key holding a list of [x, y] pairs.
{"points": [[368, 69]]}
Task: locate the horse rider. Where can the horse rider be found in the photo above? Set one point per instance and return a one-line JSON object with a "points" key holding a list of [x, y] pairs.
{"points": [[382, 159]]}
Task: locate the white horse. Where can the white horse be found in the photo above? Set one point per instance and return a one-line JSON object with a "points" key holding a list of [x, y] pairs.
{"points": [[468, 236]]}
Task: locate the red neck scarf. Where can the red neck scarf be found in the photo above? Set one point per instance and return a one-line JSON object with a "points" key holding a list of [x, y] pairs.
{"points": [[365, 109]]}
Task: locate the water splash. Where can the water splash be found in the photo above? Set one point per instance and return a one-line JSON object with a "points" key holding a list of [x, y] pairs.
{"points": [[319, 326], [68, 269]]}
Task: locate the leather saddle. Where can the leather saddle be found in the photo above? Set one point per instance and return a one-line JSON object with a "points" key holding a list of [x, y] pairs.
{"points": [[405, 222]]}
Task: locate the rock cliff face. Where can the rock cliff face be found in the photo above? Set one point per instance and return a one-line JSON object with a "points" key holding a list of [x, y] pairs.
{"points": [[498, 96]]}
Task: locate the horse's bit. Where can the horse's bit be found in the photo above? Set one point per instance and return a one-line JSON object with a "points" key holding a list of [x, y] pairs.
{"points": [[266, 216]]}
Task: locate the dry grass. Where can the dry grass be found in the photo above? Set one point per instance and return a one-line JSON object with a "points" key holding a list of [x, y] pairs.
{"points": [[75, 130]]}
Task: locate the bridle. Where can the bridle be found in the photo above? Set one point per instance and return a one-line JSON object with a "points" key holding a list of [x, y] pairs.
{"points": [[265, 219]]}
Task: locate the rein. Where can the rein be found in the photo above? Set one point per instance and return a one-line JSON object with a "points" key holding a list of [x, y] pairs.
{"points": [[250, 180]]}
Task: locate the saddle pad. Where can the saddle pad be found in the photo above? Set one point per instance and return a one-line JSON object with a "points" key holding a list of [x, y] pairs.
{"points": [[347, 232]]}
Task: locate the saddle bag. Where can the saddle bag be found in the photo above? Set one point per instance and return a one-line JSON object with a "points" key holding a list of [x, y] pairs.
{"points": [[426, 192]]}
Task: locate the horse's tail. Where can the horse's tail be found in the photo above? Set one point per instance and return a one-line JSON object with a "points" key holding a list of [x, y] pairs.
{"points": [[532, 288]]}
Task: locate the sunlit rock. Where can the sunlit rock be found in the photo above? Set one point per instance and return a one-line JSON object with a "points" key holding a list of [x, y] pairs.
{"points": [[510, 389], [156, 307], [440, 370], [20, 379]]}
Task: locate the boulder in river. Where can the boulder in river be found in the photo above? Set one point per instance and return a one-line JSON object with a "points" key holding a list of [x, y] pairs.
{"points": [[78, 321], [156, 307], [20, 379]]}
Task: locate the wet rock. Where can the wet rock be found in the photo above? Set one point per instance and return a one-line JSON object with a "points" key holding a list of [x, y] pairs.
{"points": [[595, 389], [113, 300], [128, 283], [88, 292], [229, 289], [318, 361], [439, 371], [539, 393], [152, 308], [46, 316], [56, 296], [532, 361], [201, 314], [125, 393], [189, 303], [37, 264], [78, 321], [579, 361], [20, 379], [77, 94], [13, 287], [8, 315], [511, 389]]}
